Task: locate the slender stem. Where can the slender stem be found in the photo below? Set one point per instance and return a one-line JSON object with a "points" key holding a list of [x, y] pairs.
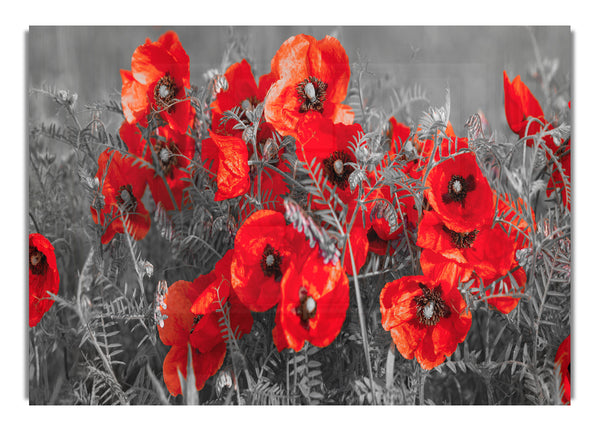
{"points": [[363, 326]]}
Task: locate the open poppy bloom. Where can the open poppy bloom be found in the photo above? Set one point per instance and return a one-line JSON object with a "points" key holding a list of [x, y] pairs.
{"points": [[173, 152], [43, 277], [330, 145], [427, 319], [122, 186], [176, 331], [215, 299], [312, 81], [314, 301], [520, 105], [563, 361], [241, 92], [460, 194], [264, 247], [488, 251], [227, 158], [157, 83]]}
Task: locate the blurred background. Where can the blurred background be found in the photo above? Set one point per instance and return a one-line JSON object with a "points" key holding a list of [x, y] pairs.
{"points": [[467, 60]]}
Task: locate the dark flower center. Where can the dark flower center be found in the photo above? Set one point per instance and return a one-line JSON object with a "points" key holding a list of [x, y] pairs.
{"points": [[430, 306], [307, 308], [312, 92], [167, 155], [164, 92], [458, 187], [37, 261], [461, 240], [372, 235], [337, 169], [125, 199], [271, 263]]}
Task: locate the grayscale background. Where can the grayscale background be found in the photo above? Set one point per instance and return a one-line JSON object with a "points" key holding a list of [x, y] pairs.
{"points": [[467, 60]]}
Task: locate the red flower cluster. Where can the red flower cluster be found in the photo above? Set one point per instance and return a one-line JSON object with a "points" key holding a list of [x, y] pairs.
{"points": [[427, 186], [461, 242], [234, 142], [43, 277], [273, 265], [193, 313], [526, 118], [458, 236], [155, 88]]}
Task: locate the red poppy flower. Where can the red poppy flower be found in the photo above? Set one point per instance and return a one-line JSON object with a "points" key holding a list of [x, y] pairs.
{"points": [[122, 186], [427, 319], [227, 158], [329, 144], [489, 252], [176, 331], [313, 77], [264, 247], [460, 194], [242, 92], [556, 182], [43, 277], [563, 361], [160, 74], [173, 151], [520, 105], [314, 300], [215, 299]]}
